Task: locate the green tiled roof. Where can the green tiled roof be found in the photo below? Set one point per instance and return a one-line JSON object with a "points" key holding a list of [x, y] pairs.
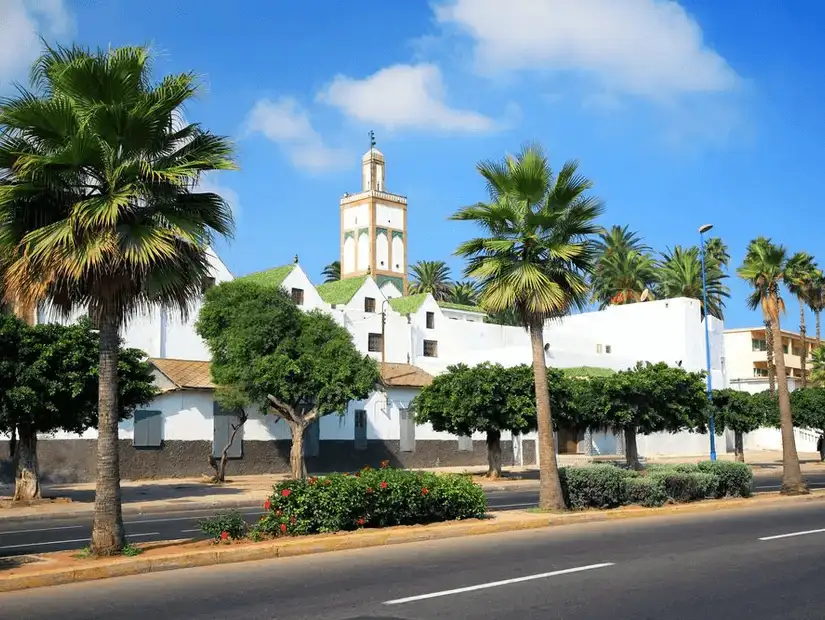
{"points": [[579, 372], [269, 277], [451, 306], [408, 304], [340, 291]]}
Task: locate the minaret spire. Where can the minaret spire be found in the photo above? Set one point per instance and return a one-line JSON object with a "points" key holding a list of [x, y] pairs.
{"points": [[372, 139]]}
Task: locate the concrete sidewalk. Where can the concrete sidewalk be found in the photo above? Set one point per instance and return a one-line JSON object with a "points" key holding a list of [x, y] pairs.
{"points": [[147, 496]]}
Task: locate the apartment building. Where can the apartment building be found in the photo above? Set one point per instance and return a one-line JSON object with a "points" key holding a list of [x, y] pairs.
{"points": [[746, 359]]}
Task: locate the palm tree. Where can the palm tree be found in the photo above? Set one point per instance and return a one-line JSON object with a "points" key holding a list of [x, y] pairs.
{"points": [[332, 272], [623, 270], [816, 301], [764, 269], [800, 276], [717, 250], [534, 259], [464, 293], [431, 276], [679, 274], [99, 209], [818, 367]]}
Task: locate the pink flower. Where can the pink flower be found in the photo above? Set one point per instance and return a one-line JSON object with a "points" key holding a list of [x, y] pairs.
{"points": [[286, 492], [369, 490], [224, 535], [283, 528], [384, 485], [267, 505], [361, 522], [425, 491]]}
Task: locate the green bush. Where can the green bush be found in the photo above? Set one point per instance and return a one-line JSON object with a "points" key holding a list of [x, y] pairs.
{"points": [[735, 479], [686, 486], [646, 491], [370, 498], [224, 526], [594, 486], [682, 468]]}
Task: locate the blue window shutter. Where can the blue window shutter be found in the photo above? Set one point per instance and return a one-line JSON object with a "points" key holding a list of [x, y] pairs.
{"points": [[222, 430]]}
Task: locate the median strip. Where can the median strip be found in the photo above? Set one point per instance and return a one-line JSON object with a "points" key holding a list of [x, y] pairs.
{"points": [[496, 584]]}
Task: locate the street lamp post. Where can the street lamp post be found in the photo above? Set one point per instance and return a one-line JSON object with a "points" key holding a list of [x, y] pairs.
{"points": [[712, 423]]}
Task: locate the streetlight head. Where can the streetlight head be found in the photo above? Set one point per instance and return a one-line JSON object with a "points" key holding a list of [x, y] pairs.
{"points": [[703, 229]]}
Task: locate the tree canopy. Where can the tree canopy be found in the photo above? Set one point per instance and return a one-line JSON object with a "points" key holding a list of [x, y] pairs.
{"points": [[268, 354]]}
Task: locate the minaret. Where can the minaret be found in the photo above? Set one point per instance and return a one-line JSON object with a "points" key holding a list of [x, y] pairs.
{"points": [[374, 227]]}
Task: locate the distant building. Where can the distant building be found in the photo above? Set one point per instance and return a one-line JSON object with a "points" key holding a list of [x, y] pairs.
{"points": [[746, 358]]}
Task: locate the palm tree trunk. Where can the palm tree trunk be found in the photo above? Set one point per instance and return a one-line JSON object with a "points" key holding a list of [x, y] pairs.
{"points": [[770, 357], [550, 495], [792, 483], [818, 330], [803, 359], [26, 479], [108, 535], [494, 454]]}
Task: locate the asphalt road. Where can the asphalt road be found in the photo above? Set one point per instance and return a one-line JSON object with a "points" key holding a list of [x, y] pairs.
{"points": [[762, 564], [18, 537]]}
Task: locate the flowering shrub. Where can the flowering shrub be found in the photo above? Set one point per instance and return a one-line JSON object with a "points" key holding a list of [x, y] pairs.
{"points": [[370, 498], [225, 526]]}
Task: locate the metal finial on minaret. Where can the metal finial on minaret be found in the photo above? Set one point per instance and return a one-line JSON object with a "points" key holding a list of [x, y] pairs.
{"points": [[372, 139], [295, 259]]}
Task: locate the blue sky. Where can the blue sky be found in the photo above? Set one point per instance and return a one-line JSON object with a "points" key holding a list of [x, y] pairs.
{"points": [[682, 113]]}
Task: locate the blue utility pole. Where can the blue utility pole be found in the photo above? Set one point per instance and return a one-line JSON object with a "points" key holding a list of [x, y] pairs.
{"points": [[712, 422]]}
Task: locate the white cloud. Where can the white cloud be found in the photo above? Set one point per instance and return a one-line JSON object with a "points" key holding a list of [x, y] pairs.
{"points": [[286, 123], [209, 183], [650, 48], [21, 21], [402, 97]]}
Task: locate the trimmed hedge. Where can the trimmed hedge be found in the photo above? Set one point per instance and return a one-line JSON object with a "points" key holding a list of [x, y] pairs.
{"points": [[370, 498], [608, 486]]}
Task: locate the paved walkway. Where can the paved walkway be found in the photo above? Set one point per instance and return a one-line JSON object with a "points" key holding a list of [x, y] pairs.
{"points": [[188, 494]]}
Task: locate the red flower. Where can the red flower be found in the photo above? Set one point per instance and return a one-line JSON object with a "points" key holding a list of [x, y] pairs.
{"points": [[283, 528], [278, 513], [385, 464], [425, 491], [361, 521], [286, 492], [224, 535], [369, 490], [384, 485], [313, 480], [292, 519], [267, 505]]}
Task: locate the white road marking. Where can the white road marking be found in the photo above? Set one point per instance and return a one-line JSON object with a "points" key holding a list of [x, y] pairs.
{"points": [[209, 514], [188, 531], [46, 529], [495, 584], [792, 534], [66, 542]]}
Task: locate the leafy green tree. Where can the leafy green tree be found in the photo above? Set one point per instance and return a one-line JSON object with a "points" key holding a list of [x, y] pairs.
{"points": [[800, 276], [269, 355], [680, 275], [740, 412], [332, 272], [431, 276], [649, 398], [624, 268], [808, 405], [49, 375], [464, 292], [716, 250], [764, 269], [818, 367], [534, 259], [99, 209], [487, 398]]}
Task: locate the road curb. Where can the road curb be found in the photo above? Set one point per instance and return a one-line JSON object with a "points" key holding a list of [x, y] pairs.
{"points": [[122, 567]]}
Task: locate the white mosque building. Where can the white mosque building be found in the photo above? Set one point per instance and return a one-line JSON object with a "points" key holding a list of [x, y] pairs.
{"points": [[413, 336]]}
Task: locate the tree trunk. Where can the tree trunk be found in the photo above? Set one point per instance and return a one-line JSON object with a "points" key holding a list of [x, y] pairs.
{"points": [[770, 357], [26, 479], [818, 328], [550, 495], [792, 483], [631, 449], [12, 442], [739, 446], [803, 359], [220, 466], [297, 464], [494, 454], [108, 535]]}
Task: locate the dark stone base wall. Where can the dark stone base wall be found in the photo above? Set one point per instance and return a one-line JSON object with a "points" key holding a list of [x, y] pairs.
{"points": [[74, 460], [528, 449]]}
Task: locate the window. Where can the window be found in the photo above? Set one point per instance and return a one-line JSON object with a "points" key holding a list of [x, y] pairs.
{"points": [[797, 351], [759, 344], [374, 343], [206, 284], [785, 348], [298, 296], [369, 304], [148, 429], [760, 372], [360, 418], [431, 320], [598, 348], [608, 349], [224, 423], [430, 348]]}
